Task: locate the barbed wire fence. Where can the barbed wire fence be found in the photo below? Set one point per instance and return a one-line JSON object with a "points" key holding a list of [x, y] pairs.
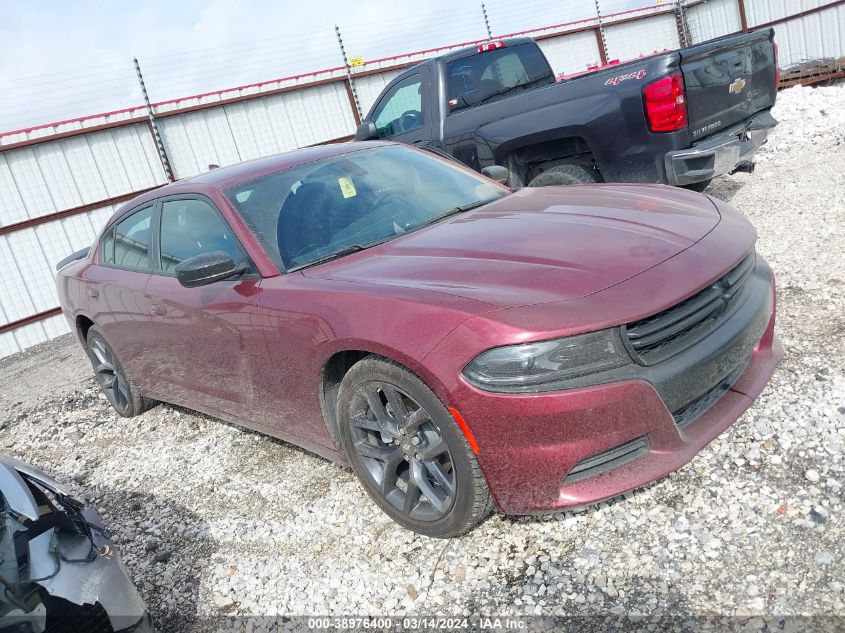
{"points": [[75, 93]]}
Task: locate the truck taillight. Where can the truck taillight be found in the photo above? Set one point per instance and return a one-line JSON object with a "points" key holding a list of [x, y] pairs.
{"points": [[665, 104], [777, 68], [489, 46]]}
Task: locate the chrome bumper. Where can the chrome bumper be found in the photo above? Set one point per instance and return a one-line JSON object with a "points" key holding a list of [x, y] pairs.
{"points": [[720, 154]]}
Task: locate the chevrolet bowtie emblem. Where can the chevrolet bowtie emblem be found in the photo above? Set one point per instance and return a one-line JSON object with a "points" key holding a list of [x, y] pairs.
{"points": [[737, 86]]}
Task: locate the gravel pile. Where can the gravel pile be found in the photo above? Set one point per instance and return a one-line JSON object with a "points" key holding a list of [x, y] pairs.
{"points": [[810, 118], [215, 520]]}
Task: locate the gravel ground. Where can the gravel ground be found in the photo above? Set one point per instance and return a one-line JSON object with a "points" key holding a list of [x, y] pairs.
{"points": [[211, 519]]}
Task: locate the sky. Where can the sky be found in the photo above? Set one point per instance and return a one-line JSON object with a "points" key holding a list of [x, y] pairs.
{"points": [[61, 60]]}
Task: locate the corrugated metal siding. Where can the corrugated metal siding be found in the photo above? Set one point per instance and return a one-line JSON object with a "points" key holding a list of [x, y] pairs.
{"points": [[260, 127], [713, 19], [762, 11], [812, 37], [642, 37], [57, 175], [28, 258], [571, 53], [45, 131]]}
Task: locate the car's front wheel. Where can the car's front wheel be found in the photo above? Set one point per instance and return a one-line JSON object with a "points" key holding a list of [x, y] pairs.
{"points": [[408, 452], [114, 382]]}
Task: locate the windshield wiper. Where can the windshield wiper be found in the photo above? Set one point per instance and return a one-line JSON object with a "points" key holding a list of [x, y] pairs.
{"points": [[346, 250], [455, 210]]}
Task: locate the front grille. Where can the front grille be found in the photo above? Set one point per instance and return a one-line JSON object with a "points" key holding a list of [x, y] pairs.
{"points": [[607, 460], [689, 412], [667, 333]]}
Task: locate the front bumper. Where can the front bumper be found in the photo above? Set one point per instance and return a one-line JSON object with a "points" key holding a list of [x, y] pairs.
{"points": [[549, 451], [719, 154], [81, 591]]}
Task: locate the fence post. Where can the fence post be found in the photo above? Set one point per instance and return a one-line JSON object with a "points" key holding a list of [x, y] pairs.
{"points": [[743, 18], [684, 37], [350, 83], [151, 118], [600, 39], [486, 22]]}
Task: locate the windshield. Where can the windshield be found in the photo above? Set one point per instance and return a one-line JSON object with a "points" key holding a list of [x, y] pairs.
{"points": [[340, 204], [488, 76]]}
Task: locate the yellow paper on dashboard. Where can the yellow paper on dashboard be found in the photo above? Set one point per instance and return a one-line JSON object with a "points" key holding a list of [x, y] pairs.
{"points": [[347, 187]]}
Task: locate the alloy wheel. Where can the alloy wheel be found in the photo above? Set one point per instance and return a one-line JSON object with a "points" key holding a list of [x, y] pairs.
{"points": [[402, 450], [109, 375]]}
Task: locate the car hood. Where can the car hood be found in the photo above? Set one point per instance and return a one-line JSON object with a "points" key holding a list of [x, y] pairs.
{"points": [[538, 244]]}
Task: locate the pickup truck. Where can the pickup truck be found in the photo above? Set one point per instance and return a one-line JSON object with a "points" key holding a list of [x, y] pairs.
{"points": [[677, 117]]}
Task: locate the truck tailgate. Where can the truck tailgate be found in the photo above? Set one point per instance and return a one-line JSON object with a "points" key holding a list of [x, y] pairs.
{"points": [[728, 80]]}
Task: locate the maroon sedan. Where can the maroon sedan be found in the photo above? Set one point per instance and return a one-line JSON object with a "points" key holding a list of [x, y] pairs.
{"points": [[456, 344]]}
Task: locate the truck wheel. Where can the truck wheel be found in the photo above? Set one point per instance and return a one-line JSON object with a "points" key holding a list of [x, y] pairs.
{"points": [[564, 175], [699, 186]]}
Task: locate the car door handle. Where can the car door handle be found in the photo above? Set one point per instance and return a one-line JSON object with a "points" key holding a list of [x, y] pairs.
{"points": [[93, 293], [158, 309]]}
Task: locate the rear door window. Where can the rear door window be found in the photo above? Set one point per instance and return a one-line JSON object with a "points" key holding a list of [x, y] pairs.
{"points": [[130, 246]]}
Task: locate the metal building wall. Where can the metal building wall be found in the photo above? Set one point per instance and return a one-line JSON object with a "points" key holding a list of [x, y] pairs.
{"points": [[258, 127], [814, 36], [53, 176], [762, 11], [709, 20], [641, 37], [572, 53]]}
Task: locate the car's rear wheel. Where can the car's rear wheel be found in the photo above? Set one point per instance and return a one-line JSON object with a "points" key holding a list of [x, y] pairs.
{"points": [[408, 452], [112, 378]]}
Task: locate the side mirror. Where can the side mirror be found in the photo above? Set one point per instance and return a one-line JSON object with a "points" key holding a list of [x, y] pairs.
{"points": [[207, 268], [367, 131], [497, 173]]}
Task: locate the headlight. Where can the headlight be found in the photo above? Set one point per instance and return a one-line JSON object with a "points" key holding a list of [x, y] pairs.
{"points": [[546, 365]]}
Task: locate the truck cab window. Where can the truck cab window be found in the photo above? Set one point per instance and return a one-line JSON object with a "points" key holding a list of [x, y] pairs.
{"points": [[487, 76], [401, 109]]}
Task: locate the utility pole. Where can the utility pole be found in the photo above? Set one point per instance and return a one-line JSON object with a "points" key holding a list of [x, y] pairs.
{"points": [[162, 154], [486, 22], [350, 83]]}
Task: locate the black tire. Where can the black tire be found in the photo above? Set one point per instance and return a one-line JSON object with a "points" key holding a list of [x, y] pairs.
{"points": [[114, 382], [564, 175], [466, 488]]}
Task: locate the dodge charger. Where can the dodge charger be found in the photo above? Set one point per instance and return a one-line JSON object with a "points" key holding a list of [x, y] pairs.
{"points": [[459, 345]]}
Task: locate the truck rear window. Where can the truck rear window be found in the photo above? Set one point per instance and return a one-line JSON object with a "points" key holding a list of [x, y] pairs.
{"points": [[485, 77]]}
